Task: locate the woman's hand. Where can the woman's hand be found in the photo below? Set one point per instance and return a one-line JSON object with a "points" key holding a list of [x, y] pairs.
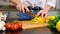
{"points": [[22, 7], [42, 13]]}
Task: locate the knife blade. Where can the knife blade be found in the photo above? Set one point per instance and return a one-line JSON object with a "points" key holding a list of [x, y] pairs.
{"points": [[31, 14]]}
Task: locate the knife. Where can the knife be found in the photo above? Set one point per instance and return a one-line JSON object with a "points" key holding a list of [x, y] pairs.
{"points": [[31, 14], [34, 15]]}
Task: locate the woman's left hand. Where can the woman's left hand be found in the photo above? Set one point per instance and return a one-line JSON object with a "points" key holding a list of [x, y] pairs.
{"points": [[42, 13]]}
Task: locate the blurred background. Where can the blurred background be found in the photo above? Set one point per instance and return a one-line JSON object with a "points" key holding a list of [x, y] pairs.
{"points": [[8, 8]]}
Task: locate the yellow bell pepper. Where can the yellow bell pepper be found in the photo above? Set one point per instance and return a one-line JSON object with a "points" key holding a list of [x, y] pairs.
{"points": [[51, 17], [58, 26]]}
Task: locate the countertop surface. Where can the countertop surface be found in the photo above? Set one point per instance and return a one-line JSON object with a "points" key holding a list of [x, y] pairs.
{"points": [[43, 30]]}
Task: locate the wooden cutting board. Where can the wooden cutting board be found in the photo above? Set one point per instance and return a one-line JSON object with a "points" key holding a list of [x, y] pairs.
{"points": [[27, 25]]}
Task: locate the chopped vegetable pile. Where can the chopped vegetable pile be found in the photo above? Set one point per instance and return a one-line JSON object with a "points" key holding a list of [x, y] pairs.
{"points": [[37, 20], [53, 21]]}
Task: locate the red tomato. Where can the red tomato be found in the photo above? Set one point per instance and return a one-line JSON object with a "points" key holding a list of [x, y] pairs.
{"points": [[14, 27], [19, 24], [7, 25]]}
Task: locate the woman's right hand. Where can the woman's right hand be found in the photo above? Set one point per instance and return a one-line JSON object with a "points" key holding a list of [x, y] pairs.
{"points": [[22, 7]]}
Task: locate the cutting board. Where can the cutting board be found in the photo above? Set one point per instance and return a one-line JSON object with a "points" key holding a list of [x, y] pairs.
{"points": [[27, 25]]}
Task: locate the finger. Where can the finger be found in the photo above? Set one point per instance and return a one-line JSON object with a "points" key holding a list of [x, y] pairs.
{"points": [[42, 15], [23, 10], [45, 15], [26, 9], [39, 14], [19, 8]]}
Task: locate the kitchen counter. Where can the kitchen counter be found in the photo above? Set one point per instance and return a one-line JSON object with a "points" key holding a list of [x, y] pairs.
{"points": [[39, 30], [44, 30]]}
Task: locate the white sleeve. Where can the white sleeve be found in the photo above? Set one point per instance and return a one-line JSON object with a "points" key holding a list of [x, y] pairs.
{"points": [[51, 3]]}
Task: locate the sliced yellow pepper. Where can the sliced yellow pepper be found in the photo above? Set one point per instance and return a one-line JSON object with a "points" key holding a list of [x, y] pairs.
{"points": [[37, 20]]}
